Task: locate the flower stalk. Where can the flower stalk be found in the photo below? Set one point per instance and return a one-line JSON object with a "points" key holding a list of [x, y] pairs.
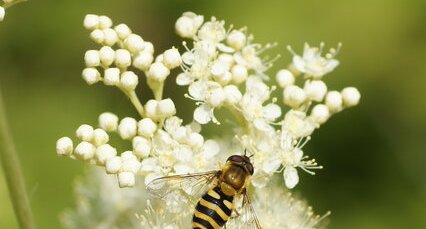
{"points": [[13, 173]]}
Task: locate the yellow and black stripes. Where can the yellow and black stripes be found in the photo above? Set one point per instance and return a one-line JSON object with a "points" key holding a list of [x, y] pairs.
{"points": [[213, 210]]}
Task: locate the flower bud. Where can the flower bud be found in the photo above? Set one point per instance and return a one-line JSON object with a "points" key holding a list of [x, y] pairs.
{"points": [[104, 22], [105, 153], [110, 37], [123, 31], [112, 76], [113, 165], [84, 151], [127, 128], [91, 58], [196, 140], [146, 127], [97, 36], [351, 96], [233, 94], [157, 71], [143, 60], [2, 13], [334, 101], [141, 147], [166, 108], [91, 75], [130, 165], [85, 133], [315, 90], [294, 96], [100, 137], [236, 39], [134, 43], [91, 21], [239, 73], [285, 78], [320, 113], [172, 58], [151, 108], [217, 97], [126, 179], [122, 58], [129, 81], [64, 146], [148, 47], [107, 55], [186, 26], [108, 121]]}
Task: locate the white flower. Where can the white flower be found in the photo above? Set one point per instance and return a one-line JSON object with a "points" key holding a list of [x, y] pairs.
{"points": [[113, 165], [172, 58], [91, 75], [108, 121], [126, 179], [91, 21], [123, 31], [239, 74], [294, 96], [84, 151], [285, 78], [129, 81], [312, 63], [112, 76], [100, 137], [213, 31], [297, 125], [143, 60], [146, 127], [320, 113], [122, 58], [158, 71], [97, 36], [64, 146], [141, 147], [151, 109], [104, 153], [106, 55], [110, 37], [315, 90], [92, 58], [166, 108], [334, 101], [236, 39], [134, 43], [104, 22]]}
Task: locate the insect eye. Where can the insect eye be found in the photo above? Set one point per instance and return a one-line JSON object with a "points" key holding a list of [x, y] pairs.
{"points": [[235, 158], [250, 168]]}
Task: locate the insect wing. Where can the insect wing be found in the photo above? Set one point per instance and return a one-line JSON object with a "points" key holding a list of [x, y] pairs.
{"points": [[245, 216], [192, 185]]}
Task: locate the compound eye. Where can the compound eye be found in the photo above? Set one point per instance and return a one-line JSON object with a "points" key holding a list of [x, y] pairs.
{"points": [[250, 168], [236, 158]]}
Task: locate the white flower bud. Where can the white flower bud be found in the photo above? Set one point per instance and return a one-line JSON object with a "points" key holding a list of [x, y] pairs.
{"points": [[107, 55], [166, 108], [143, 60], [151, 108], [290, 177], [146, 127], [110, 37], [320, 113], [91, 58], [122, 58], [294, 96], [129, 81], [224, 79], [104, 22], [130, 165], [100, 137], [113, 165], [315, 90], [157, 71], [126, 179], [233, 94], [141, 147], [172, 58], [217, 97], [97, 36], [236, 39], [148, 47], [112, 76], [196, 140], [127, 128], [123, 31], [128, 155], [105, 153], [84, 151], [91, 75], [239, 73], [64, 146], [334, 101], [91, 21], [351, 96], [108, 121], [226, 58], [187, 25], [285, 78], [134, 43], [85, 132], [2, 13]]}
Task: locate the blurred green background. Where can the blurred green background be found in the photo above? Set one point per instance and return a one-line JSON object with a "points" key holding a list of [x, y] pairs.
{"points": [[374, 155]]}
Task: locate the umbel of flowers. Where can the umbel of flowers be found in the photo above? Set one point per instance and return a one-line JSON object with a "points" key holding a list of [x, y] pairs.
{"points": [[223, 70]]}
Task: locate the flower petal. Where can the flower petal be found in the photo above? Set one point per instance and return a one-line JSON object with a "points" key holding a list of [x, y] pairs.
{"points": [[271, 111], [291, 178], [203, 114]]}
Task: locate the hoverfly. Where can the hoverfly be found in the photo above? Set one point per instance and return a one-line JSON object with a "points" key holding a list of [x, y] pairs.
{"points": [[215, 191]]}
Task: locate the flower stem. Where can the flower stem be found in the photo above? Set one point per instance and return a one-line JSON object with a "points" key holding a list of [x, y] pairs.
{"points": [[240, 118], [13, 173], [7, 5]]}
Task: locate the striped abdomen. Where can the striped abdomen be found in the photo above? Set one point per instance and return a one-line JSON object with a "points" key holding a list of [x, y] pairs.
{"points": [[213, 210]]}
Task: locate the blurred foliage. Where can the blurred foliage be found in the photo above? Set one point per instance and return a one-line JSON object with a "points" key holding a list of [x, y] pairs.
{"points": [[373, 154]]}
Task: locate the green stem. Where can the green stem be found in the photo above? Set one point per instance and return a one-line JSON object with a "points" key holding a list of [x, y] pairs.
{"points": [[12, 171], [240, 118], [135, 101]]}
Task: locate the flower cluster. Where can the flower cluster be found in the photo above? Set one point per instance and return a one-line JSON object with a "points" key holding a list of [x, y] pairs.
{"points": [[6, 4], [223, 71]]}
